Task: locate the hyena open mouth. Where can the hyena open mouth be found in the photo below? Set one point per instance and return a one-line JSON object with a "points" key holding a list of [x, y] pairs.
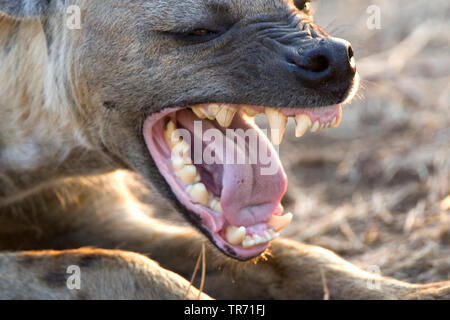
{"points": [[236, 203]]}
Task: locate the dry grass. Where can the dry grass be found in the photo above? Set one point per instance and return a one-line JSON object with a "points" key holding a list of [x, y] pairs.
{"points": [[374, 189]]}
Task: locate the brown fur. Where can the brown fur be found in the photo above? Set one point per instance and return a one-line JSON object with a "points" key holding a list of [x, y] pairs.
{"points": [[72, 104]]}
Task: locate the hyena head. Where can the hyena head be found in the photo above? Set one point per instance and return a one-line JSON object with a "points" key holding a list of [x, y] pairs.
{"points": [[160, 84]]}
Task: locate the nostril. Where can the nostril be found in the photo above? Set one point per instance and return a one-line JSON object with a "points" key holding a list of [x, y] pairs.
{"points": [[316, 63], [350, 52], [351, 57]]}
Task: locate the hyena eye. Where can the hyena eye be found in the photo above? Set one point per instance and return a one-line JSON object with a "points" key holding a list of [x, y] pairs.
{"points": [[195, 36], [203, 32]]}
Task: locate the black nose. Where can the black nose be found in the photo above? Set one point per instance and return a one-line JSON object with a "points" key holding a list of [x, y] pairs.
{"points": [[330, 62]]}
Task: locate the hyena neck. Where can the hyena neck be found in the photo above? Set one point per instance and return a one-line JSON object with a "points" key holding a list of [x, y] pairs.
{"points": [[40, 135]]}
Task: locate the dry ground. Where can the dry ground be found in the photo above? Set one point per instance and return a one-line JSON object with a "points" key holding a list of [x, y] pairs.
{"points": [[373, 190]]}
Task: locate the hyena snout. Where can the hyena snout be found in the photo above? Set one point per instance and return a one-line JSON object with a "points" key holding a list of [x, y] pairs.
{"points": [[329, 65]]}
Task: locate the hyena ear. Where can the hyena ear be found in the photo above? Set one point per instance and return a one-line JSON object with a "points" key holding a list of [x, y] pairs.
{"points": [[22, 9]]}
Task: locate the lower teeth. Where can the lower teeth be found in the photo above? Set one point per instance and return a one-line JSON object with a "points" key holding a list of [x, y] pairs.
{"points": [[250, 241], [237, 236]]}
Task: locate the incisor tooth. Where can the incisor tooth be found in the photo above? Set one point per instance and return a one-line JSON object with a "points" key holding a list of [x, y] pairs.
{"points": [[225, 116], [258, 239], [277, 122], [250, 112], [187, 174], [199, 193], [214, 109], [235, 235], [303, 124], [278, 223], [203, 113], [199, 112], [315, 126], [248, 242]]}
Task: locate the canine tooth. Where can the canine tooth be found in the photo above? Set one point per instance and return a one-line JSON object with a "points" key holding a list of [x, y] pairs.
{"points": [[277, 122], [225, 116], [278, 223], [235, 235], [303, 124], [199, 193], [215, 205], [315, 126], [187, 174]]}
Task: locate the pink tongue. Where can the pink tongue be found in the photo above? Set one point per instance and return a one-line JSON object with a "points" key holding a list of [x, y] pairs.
{"points": [[250, 192]]}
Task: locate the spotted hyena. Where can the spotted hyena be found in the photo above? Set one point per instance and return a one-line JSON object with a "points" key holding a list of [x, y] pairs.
{"points": [[80, 102]]}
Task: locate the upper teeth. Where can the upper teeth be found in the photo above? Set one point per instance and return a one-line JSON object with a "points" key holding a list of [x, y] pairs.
{"points": [[224, 115], [204, 113], [277, 122], [303, 124], [315, 126], [249, 111]]}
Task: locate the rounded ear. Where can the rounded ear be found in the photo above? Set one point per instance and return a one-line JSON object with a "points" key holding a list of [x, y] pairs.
{"points": [[22, 9]]}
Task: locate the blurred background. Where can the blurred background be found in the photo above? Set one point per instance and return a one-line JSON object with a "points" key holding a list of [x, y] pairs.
{"points": [[374, 190], [377, 189]]}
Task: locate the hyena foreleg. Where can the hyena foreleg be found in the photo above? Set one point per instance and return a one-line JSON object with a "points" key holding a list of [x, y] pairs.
{"points": [[88, 274]]}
